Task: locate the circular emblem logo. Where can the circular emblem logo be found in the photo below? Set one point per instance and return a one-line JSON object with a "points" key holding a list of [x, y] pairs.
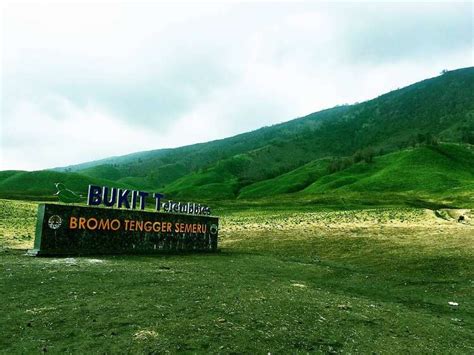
{"points": [[54, 222], [213, 229]]}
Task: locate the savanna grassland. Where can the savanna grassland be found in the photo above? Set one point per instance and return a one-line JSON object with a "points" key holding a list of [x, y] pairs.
{"points": [[285, 281]]}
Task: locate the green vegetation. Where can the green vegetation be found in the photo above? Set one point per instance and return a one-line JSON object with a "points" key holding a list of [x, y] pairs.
{"points": [[428, 169], [40, 184], [295, 180], [439, 174], [436, 170], [414, 142], [442, 172], [17, 224], [366, 281], [217, 182]]}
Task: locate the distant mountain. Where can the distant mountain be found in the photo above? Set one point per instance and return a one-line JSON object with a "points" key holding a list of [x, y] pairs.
{"points": [[308, 155]]}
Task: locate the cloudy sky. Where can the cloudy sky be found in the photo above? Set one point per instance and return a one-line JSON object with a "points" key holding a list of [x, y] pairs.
{"points": [[83, 81]]}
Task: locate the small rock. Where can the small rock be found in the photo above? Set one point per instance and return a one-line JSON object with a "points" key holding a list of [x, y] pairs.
{"points": [[95, 261], [454, 304], [344, 306], [298, 285]]}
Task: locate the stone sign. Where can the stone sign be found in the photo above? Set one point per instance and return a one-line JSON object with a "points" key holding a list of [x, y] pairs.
{"points": [[76, 230]]}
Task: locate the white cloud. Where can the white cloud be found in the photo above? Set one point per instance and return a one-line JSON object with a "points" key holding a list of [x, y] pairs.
{"points": [[34, 136], [156, 75]]}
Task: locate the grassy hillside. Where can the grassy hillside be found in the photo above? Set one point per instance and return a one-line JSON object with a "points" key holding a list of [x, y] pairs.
{"points": [[434, 169], [298, 156], [40, 184], [442, 107], [106, 171], [437, 171], [290, 182]]}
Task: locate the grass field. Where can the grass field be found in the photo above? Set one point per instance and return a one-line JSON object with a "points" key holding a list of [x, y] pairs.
{"points": [[285, 281]]}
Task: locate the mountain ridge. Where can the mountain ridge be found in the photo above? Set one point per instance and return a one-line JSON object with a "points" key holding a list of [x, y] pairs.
{"points": [[144, 154], [435, 111]]}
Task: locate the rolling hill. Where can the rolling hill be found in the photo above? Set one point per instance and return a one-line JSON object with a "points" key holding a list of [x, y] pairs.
{"points": [[40, 184], [426, 175], [418, 139], [433, 169]]}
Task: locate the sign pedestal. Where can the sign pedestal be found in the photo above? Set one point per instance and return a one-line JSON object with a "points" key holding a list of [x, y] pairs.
{"points": [[77, 230]]}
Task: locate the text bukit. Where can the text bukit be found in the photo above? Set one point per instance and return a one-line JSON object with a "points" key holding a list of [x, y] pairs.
{"points": [[134, 199]]}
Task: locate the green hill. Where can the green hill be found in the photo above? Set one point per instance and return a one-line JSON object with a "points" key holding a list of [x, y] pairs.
{"points": [[105, 171], [439, 174], [432, 169], [40, 184], [293, 181], [308, 156], [442, 107]]}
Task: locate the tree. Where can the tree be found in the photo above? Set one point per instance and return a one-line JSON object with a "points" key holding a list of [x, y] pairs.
{"points": [[366, 154], [339, 164]]}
